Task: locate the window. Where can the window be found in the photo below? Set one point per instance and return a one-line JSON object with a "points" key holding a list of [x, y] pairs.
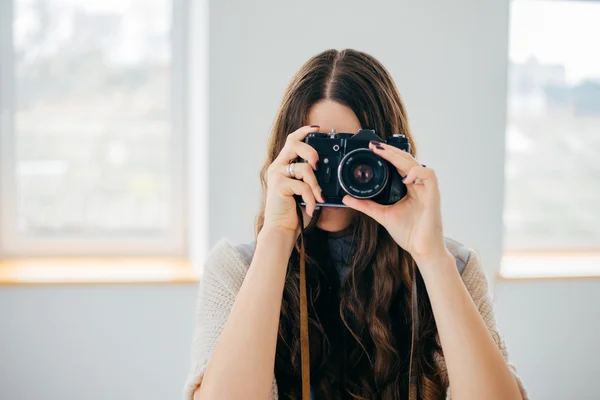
{"points": [[92, 155], [553, 127]]}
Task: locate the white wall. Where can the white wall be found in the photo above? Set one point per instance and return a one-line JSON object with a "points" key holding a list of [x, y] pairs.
{"points": [[448, 59]]}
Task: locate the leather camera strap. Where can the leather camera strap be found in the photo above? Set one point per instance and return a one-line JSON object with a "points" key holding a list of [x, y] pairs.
{"points": [[304, 340], [414, 353]]}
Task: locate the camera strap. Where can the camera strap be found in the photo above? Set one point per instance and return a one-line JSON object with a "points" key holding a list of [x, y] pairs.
{"points": [[414, 353], [304, 340]]}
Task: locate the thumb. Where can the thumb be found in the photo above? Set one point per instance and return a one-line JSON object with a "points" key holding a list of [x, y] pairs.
{"points": [[368, 207]]}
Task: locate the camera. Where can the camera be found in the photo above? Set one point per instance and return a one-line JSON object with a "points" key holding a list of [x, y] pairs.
{"points": [[348, 167]]}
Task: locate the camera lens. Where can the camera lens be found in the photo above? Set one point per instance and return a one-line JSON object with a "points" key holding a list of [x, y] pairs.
{"points": [[362, 174]]}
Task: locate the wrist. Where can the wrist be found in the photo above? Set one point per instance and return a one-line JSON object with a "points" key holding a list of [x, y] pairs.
{"points": [[441, 262], [276, 236]]}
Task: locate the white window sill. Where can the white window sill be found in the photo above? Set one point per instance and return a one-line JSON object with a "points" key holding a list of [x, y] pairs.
{"points": [[49, 271], [549, 265]]}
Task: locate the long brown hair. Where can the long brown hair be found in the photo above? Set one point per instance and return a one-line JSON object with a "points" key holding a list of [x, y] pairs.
{"points": [[360, 331]]}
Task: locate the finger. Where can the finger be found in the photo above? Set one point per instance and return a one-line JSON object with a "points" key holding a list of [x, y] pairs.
{"points": [[294, 149], [301, 133], [286, 154], [402, 160], [294, 186], [368, 207], [303, 172], [420, 175]]}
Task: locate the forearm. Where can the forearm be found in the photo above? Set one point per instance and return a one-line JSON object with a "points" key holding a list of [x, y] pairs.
{"points": [[476, 368], [245, 352]]}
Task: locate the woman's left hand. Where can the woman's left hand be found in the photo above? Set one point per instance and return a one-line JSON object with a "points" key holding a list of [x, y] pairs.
{"points": [[414, 222]]}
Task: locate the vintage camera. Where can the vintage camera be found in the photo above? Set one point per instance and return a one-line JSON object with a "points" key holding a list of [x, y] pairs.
{"points": [[348, 166]]}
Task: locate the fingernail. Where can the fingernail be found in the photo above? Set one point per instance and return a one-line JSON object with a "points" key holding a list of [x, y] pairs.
{"points": [[374, 142], [379, 147], [315, 126]]}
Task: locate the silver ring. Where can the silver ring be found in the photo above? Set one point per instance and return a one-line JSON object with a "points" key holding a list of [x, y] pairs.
{"points": [[291, 170]]}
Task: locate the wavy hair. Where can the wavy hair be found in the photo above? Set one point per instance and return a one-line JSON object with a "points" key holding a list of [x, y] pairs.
{"points": [[360, 331]]}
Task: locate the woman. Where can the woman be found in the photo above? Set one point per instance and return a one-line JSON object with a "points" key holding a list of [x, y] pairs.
{"points": [[362, 264]]}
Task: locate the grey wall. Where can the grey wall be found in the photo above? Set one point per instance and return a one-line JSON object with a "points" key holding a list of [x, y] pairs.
{"points": [[551, 328], [449, 61], [95, 342]]}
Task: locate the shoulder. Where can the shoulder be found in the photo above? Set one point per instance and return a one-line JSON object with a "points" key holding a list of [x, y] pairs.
{"points": [[246, 251], [462, 254], [227, 264], [471, 270]]}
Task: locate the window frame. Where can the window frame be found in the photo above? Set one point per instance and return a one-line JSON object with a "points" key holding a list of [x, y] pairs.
{"points": [[174, 242]]}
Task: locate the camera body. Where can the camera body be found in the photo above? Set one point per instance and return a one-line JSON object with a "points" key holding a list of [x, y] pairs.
{"points": [[347, 166]]}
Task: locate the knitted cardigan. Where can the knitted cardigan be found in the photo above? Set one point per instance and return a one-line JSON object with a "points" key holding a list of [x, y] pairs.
{"points": [[225, 270]]}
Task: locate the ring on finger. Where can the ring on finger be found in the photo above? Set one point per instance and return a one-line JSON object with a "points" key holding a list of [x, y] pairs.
{"points": [[291, 170]]}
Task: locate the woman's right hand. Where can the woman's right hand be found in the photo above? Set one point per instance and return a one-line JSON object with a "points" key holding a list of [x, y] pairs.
{"points": [[280, 206]]}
